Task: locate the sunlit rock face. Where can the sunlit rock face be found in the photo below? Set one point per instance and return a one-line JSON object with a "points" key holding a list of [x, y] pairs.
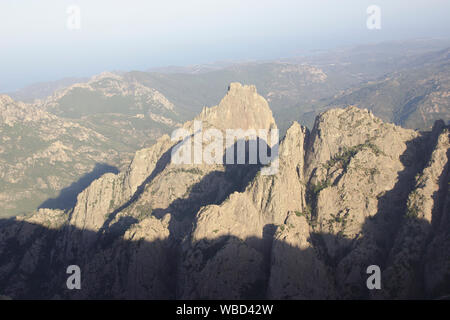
{"points": [[350, 193]]}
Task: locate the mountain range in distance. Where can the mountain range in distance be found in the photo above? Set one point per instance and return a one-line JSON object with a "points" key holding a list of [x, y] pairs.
{"points": [[405, 83]]}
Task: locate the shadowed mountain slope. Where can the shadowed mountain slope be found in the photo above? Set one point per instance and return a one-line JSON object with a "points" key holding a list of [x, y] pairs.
{"points": [[350, 193]]}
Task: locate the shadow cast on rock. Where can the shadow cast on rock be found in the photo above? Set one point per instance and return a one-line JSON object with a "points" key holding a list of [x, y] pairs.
{"points": [[67, 198], [33, 265]]}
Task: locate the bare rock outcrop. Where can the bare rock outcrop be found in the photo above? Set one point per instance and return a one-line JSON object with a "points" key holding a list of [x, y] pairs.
{"points": [[296, 271], [414, 250], [351, 193]]}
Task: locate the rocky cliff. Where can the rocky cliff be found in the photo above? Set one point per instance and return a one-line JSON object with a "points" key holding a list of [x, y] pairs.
{"points": [[350, 193]]}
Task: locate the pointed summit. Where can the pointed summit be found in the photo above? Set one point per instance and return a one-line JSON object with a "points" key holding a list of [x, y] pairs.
{"points": [[241, 108]]}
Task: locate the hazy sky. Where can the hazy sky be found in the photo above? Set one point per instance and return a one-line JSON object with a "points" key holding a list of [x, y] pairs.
{"points": [[37, 45]]}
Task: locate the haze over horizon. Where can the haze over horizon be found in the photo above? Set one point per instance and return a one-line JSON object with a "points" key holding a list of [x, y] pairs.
{"points": [[226, 154], [38, 46]]}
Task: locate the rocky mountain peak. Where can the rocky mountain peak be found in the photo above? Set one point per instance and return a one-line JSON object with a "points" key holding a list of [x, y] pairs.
{"points": [[236, 87], [5, 99], [336, 130], [241, 108], [105, 75], [13, 111], [351, 193]]}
